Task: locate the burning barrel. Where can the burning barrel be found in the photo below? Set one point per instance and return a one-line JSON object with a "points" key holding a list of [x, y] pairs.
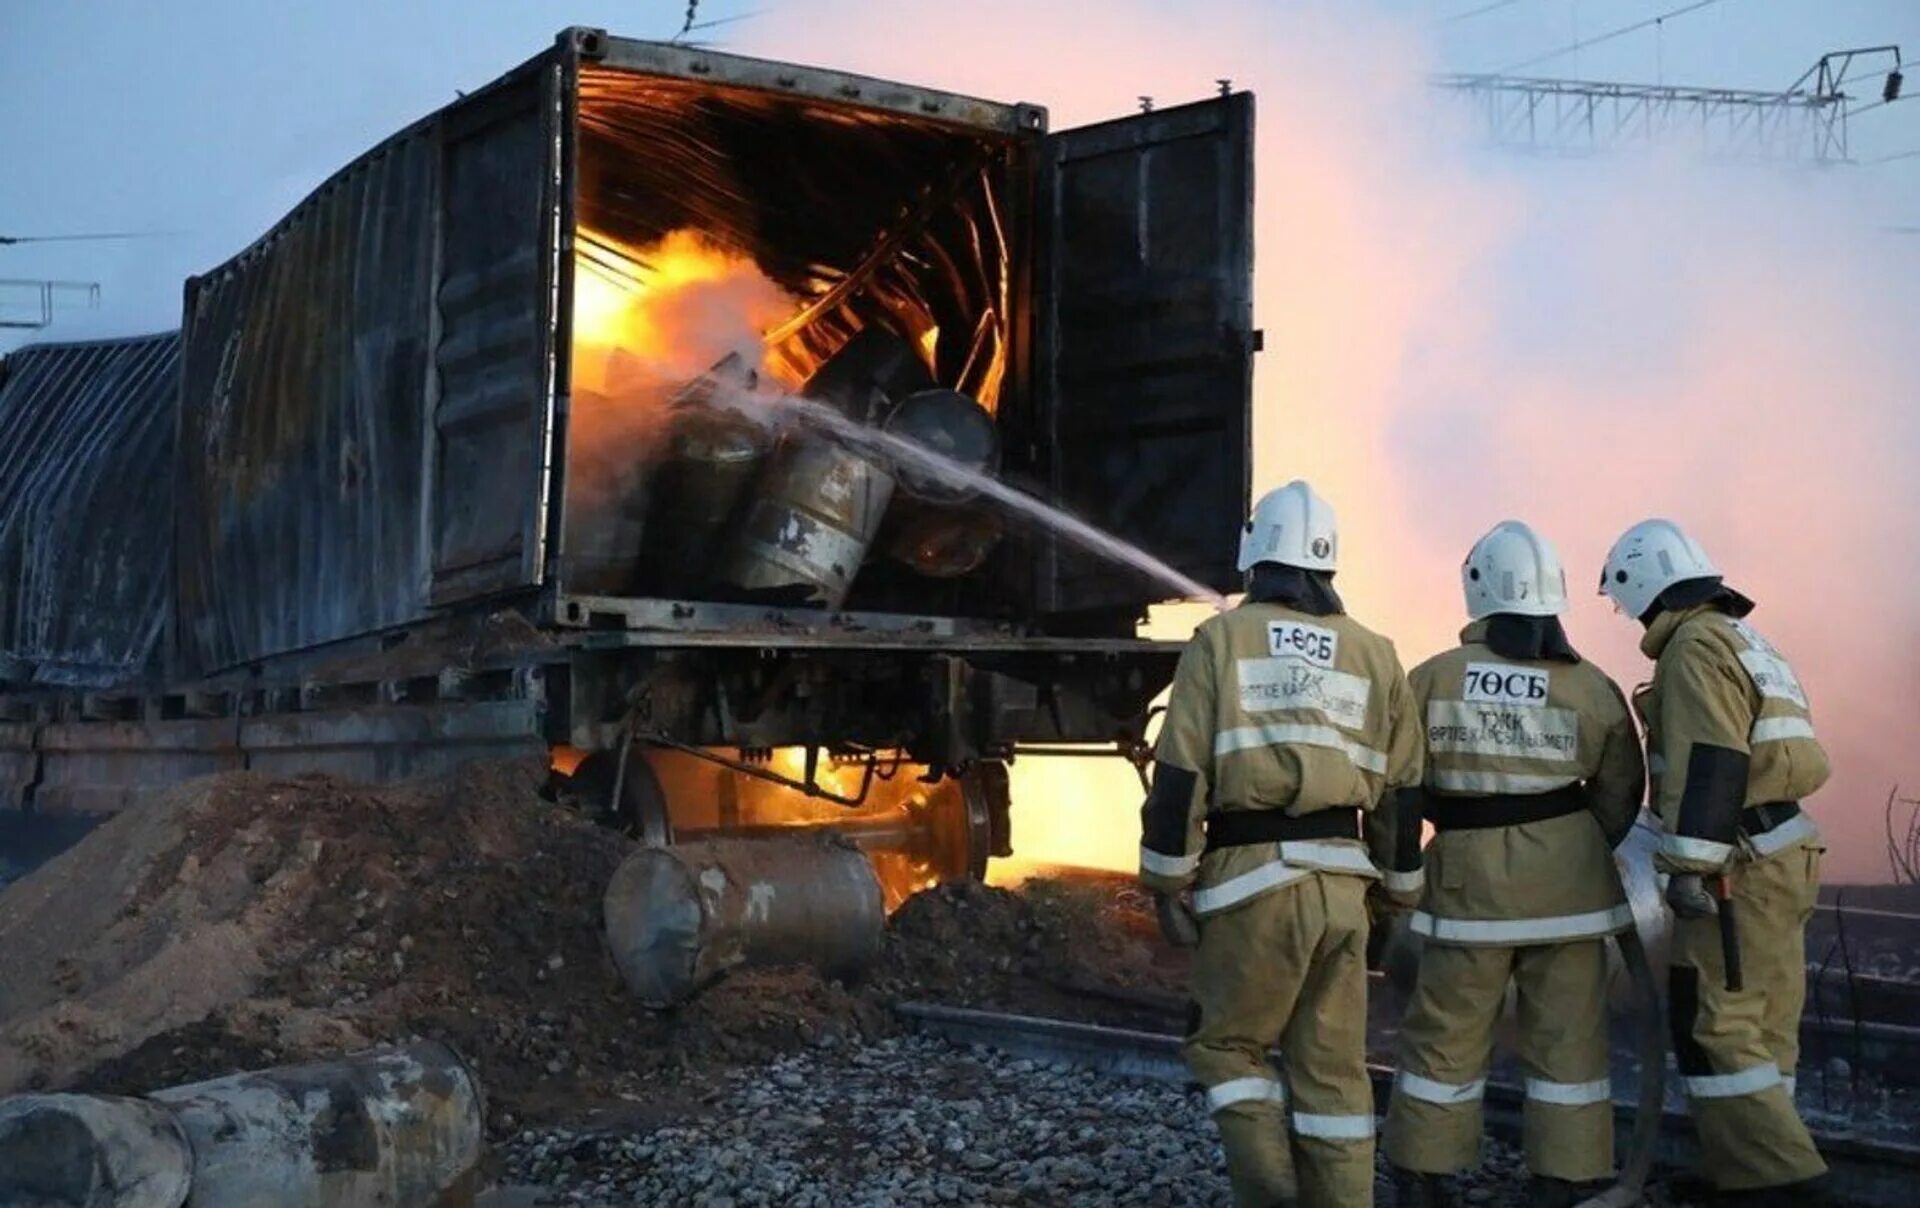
{"points": [[832, 487], [713, 457], [938, 526], [820, 503], [616, 443], [870, 371], [807, 533]]}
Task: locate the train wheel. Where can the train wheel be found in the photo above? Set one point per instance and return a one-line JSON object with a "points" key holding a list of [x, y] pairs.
{"points": [[642, 809]]}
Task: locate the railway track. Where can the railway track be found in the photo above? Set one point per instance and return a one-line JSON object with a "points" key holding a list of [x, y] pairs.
{"points": [[1871, 1041], [1866, 1172], [1826, 910]]}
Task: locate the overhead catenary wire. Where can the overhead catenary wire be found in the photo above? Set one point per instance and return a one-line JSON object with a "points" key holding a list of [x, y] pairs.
{"points": [[9, 240], [1482, 11], [1609, 36], [1852, 113]]}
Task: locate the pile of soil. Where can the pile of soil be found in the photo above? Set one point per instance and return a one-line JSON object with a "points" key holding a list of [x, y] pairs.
{"points": [[242, 921], [1084, 946]]}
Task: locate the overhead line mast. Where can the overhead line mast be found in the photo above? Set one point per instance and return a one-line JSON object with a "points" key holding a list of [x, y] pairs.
{"points": [[1805, 123]]}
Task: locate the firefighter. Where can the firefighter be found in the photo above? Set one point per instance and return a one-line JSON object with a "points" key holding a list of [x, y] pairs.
{"points": [[1732, 747], [1289, 724], [1533, 776]]}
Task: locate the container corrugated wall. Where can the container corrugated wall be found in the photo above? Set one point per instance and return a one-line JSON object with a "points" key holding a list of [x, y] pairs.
{"points": [[352, 421], [87, 432], [303, 421]]}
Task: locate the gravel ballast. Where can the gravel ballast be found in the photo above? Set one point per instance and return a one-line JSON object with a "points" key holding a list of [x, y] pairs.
{"points": [[909, 1121]]}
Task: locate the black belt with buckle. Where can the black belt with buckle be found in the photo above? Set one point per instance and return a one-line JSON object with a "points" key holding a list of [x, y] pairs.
{"points": [[1243, 828], [1504, 809], [1759, 819]]}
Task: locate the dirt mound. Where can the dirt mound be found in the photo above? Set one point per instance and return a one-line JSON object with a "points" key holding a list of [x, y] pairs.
{"points": [[185, 1054], [241, 921], [1086, 947], [98, 959]]}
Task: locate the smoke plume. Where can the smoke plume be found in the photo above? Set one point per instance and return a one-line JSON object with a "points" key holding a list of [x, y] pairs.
{"points": [[1454, 337]]}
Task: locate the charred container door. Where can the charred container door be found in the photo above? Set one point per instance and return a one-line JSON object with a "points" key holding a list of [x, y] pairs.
{"points": [[1145, 345], [493, 406]]}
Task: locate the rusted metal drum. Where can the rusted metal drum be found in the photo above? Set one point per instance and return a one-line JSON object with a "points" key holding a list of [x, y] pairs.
{"points": [[867, 374], [956, 429], [92, 1151], [937, 527], [941, 542], [680, 917], [713, 455], [807, 532], [392, 1126]]}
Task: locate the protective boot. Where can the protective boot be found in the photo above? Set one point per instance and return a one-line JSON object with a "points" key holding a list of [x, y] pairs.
{"points": [[1417, 1189]]}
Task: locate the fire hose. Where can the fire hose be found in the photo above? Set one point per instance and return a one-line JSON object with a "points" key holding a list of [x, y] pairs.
{"points": [[1627, 1190]]}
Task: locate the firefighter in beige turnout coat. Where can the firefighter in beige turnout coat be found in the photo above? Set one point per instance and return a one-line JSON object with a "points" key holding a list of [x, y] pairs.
{"points": [[1533, 775], [1733, 751], [1289, 723]]}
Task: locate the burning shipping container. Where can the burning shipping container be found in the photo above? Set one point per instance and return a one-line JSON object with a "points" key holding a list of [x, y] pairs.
{"points": [[539, 353]]}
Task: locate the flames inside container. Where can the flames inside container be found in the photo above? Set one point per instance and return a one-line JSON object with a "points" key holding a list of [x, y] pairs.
{"points": [[648, 320]]}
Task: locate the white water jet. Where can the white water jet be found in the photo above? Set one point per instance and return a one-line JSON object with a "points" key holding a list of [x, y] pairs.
{"points": [[899, 451]]}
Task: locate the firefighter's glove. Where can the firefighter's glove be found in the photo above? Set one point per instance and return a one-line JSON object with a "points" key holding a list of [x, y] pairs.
{"points": [[1177, 920], [1688, 896]]}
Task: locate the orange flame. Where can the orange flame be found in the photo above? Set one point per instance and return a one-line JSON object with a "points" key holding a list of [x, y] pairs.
{"points": [[914, 833], [565, 760], [667, 311]]}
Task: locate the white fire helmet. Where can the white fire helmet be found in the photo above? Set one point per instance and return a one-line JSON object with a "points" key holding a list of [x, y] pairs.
{"points": [[1513, 570], [1649, 558], [1291, 526]]}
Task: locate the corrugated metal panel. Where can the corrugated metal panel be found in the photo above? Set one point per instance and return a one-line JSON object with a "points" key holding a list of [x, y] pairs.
{"points": [[302, 421], [88, 437], [1146, 344], [312, 483], [493, 416]]}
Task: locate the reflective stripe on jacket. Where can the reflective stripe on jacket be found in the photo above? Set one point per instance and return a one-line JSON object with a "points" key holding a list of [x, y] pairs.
{"points": [[1717, 680], [1510, 727], [1275, 709]]}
